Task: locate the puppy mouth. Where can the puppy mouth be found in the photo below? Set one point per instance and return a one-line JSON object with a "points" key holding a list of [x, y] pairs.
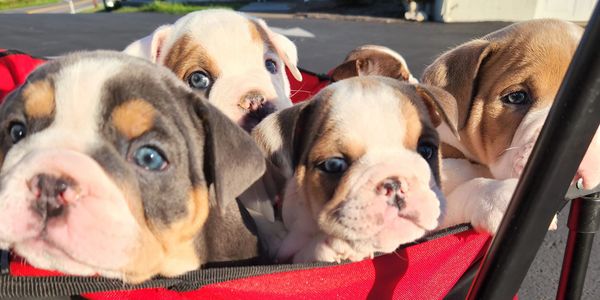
{"points": [[251, 118]]}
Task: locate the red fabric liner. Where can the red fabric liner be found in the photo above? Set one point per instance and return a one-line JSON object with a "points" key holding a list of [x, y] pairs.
{"points": [[425, 271]]}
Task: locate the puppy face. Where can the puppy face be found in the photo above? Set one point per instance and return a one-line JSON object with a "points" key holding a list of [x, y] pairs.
{"points": [[235, 61], [504, 85], [111, 166], [364, 159], [373, 60]]}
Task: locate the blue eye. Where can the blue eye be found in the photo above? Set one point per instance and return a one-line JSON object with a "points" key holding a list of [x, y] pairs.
{"points": [[199, 80], [271, 66], [334, 165], [427, 151], [150, 159], [17, 131], [519, 97]]}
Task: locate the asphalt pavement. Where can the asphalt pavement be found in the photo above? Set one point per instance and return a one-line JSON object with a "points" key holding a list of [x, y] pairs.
{"points": [[419, 43]]}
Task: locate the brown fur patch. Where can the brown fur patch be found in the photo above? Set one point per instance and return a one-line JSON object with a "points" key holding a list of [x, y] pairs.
{"points": [[187, 56], [133, 118], [529, 56], [178, 238], [413, 123], [39, 99]]}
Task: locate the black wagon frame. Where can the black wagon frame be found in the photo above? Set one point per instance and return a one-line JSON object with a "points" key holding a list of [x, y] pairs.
{"points": [[544, 188]]}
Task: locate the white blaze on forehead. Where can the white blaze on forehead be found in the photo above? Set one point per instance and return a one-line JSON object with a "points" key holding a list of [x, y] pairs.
{"points": [[368, 112], [78, 90]]}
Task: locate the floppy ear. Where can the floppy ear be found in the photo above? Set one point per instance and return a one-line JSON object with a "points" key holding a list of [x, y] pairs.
{"points": [[346, 70], [284, 47], [280, 136], [150, 47], [232, 161], [456, 72], [440, 105]]}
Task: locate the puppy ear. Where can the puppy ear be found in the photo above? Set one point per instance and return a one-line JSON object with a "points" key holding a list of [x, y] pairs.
{"points": [[456, 71], [150, 47], [284, 47], [346, 70], [280, 136], [441, 106], [232, 161]]}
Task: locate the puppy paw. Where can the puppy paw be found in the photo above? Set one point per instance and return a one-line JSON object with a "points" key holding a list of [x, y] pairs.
{"points": [[495, 197]]}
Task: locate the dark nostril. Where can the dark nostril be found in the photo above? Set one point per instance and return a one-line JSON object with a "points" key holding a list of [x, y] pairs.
{"points": [[390, 186], [49, 191]]}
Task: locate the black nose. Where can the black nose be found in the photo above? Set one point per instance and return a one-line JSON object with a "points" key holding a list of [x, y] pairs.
{"points": [[390, 187], [252, 101], [49, 191]]}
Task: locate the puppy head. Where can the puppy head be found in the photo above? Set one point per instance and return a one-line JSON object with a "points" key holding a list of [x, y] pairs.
{"points": [[234, 60], [504, 85], [373, 60], [364, 157], [110, 165]]}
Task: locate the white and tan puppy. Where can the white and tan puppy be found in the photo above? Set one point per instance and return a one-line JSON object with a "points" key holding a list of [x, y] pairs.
{"points": [[373, 60], [362, 164], [504, 85], [234, 60]]}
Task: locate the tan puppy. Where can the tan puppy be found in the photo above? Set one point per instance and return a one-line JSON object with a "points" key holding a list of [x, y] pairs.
{"points": [[373, 60], [504, 85], [362, 164], [234, 60]]}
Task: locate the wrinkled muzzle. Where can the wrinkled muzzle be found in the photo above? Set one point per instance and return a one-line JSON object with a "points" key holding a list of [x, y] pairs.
{"points": [[388, 204], [59, 210]]}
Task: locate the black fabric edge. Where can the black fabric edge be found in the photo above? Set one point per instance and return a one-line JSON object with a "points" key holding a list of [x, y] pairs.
{"points": [[9, 52], [14, 286]]}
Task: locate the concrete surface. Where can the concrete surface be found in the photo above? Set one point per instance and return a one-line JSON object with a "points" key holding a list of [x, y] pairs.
{"points": [[51, 35]]}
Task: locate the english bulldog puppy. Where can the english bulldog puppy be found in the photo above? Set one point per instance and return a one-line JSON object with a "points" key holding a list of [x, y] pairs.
{"points": [[362, 164], [503, 85], [234, 60], [111, 165], [373, 60]]}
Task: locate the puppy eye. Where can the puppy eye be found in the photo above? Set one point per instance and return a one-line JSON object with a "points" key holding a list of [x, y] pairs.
{"points": [[334, 165], [199, 80], [17, 131], [150, 158], [518, 98], [271, 66], [426, 150]]}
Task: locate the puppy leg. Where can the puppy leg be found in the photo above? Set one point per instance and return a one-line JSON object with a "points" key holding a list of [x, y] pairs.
{"points": [[481, 202]]}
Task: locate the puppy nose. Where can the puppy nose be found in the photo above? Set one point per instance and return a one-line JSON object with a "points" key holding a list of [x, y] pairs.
{"points": [[390, 187], [252, 100], [49, 192]]}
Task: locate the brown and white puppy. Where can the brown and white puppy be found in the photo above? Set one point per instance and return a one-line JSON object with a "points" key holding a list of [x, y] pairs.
{"points": [[504, 85], [373, 60], [110, 165], [362, 164], [234, 60]]}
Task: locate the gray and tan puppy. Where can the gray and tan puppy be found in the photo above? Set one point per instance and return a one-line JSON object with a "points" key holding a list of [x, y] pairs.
{"points": [[373, 60], [503, 85], [113, 166], [362, 164], [235, 60]]}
